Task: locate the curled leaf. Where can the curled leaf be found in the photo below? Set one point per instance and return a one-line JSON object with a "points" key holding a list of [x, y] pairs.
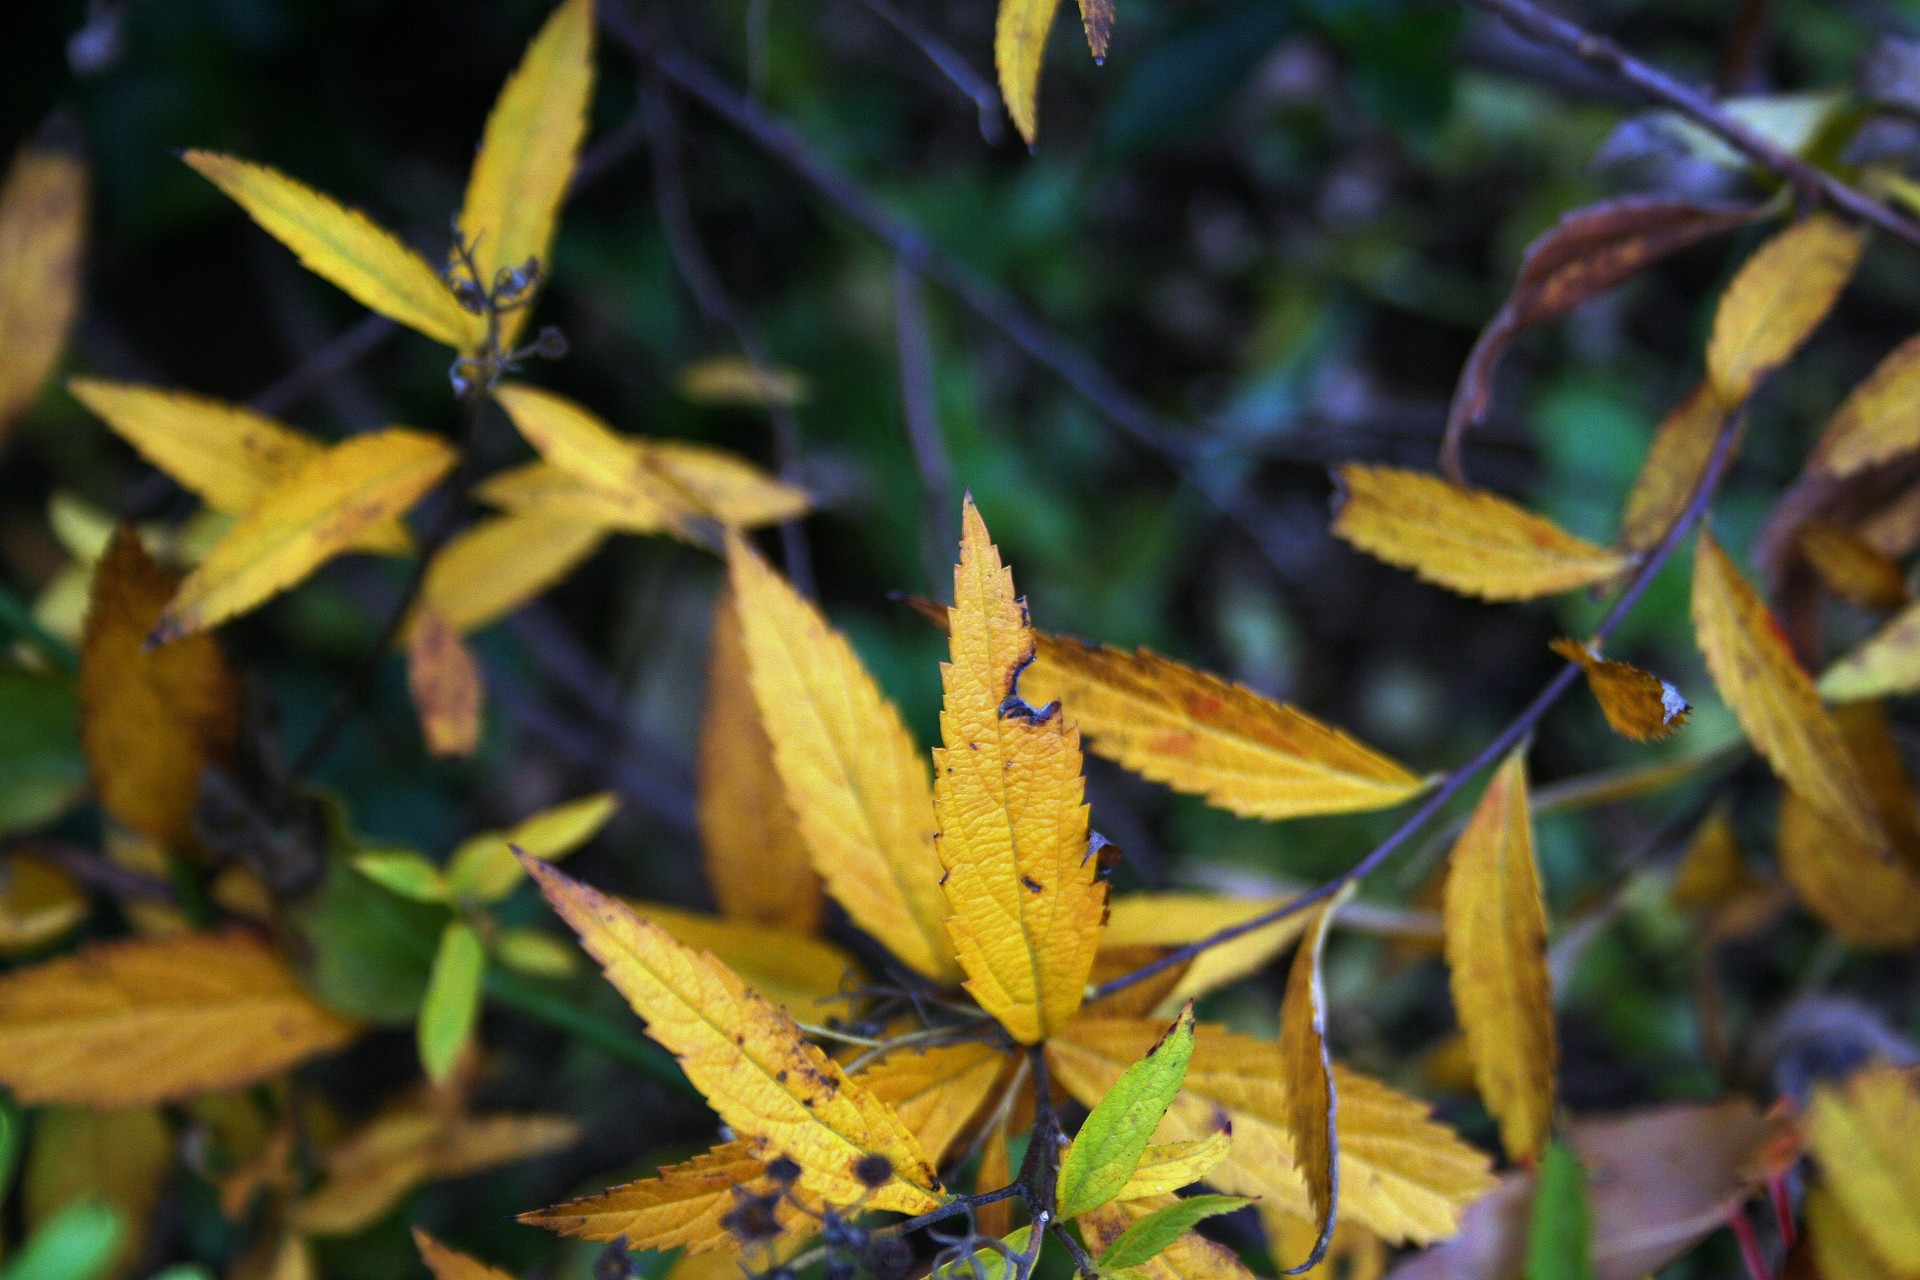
{"points": [[1312, 1101], [1636, 703]]}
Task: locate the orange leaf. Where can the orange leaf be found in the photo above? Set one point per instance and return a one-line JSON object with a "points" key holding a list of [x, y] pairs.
{"points": [[451, 1264], [1671, 471], [1637, 704], [445, 682]]}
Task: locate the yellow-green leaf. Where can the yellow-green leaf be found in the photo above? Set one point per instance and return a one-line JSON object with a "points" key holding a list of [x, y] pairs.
{"points": [[484, 867], [345, 247], [452, 1002], [1120, 1127], [1168, 1166], [1886, 663], [1866, 1136], [406, 873]]}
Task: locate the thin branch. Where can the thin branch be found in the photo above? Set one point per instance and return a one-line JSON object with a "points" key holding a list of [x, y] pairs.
{"points": [[100, 872], [947, 60], [939, 511], [1512, 736], [1615, 63], [339, 354]]}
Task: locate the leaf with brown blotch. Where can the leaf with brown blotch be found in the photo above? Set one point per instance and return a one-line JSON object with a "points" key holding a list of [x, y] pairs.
{"points": [[495, 566], [120, 1024], [1403, 1176], [43, 227], [344, 246], [796, 970], [856, 782], [1466, 540], [313, 515], [1026, 896], [749, 1059], [527, 155], [1864, 897], [1675, 461], [1863, 1134], [755, 858], [225, 454], [150, 720], [1580, 257], [1772, 697], [1138, 920], [1851, 567], [680, 1207], [1876, 422], [451, 1264], [1204, 736], [1190, 1257], [1496, 945], [444, 678], [1779, 297], [936, 1091], [1636, 703], [1312, 1099]]}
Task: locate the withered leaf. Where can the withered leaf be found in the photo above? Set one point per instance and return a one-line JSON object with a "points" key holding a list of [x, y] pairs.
{"points": [[1637, 704]]}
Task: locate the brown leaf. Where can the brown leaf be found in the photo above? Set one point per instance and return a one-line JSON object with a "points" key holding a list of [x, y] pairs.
{"points": [[1586, 253], [1851, 567], [445, 682], [1636, 703], [1671, 470], [151, 720]]}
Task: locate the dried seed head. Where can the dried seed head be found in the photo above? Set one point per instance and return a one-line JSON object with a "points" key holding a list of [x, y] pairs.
{"points": [[784, 1170], [874, 1171]]}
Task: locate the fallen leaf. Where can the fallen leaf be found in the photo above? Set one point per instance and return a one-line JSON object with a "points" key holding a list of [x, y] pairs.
{"points": [[755, 858], [133, 1023], [856, 783], [1779, 297], [1675, 461], [527, 155], [1772, 697], [1026, 897], [1203, 736], [444, 678], [1580, 257], [1863, 1136], [1636, 703], [313, 515], [151, 720], [43, 228], [343, 246], [1851, 567], [1875, 423], [748, 1058], [1496, 944], [1465, 540]]}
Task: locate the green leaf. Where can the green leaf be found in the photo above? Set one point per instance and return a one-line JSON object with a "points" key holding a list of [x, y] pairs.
{"points": [[484, 868], [42, 770], [11, 1135], [78, 1243], [1559, 1233], [453, 999], [1110, 1143], [993, 1263], [406, 873], [364, 951], [1144, 1240]]}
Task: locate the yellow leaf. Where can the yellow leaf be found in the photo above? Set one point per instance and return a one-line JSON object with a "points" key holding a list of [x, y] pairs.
{"points": [[540, 488], [1402, 1175], [1354, 1255], [130, 1023], [493, 567], [1496, 942], [1636, 703], [852, 776], [730, 489], [1710, 872], [803, 974], [1876, 421], [444, 678], [1464, 539], [120, 1157], [1839, 1245], [1855, 889], [367, 1174], [681, 1207], [43, 227], [226, 454], [1190, 1257], [38, 903], [1176, 919], [1888, 662], [1780, 295], [345, 247], [150, 720], [1027, 902], [1019, 48], [735, 380], [484, 867], [1203, 736], [1851, 567], [936, 1091], [1168, 1166], [749, 1059], [451, 1264], [310, 517], [1307, 1064], [755, 858], [1671, 470], [527, 154], [1866, 1136], [1772, 697]]}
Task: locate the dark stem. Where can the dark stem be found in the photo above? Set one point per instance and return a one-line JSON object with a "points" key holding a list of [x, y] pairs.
{"points": [[338, 355], [1621, 67], [975, 87], [1510, 737], [939, 511]]}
